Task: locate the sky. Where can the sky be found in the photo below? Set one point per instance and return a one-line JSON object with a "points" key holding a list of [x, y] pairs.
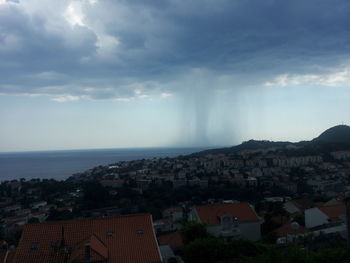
{"points": [[81, 74]]}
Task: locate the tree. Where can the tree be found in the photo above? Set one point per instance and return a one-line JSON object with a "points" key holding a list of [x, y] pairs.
{"points": [[33, 220], [95, 195], [56, 215], [193, 230], [204, 250], [332, 255]]}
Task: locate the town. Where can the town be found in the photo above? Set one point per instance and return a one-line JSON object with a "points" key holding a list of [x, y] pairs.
{"points": [[274, 193]]}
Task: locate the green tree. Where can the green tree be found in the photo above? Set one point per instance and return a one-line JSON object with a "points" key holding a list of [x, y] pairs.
{"points": [[192, 230], [95, 195], [204, 250], [332, 255]]}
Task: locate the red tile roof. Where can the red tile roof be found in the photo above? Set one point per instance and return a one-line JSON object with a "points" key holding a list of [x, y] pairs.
{"points": [[210, 214], [287, 229], [174, 240], [98, 249], [302, 204], [122, 239], [279, 219], [334, 211]]}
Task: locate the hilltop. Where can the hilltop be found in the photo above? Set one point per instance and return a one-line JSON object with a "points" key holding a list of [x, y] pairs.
{"points": [[332, 139], [336, 134]]}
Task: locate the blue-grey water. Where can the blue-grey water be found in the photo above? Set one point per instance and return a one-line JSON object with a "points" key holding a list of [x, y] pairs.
{"points": [[62, 164]]}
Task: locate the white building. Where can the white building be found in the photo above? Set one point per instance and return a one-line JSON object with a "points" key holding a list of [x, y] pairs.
{"points": [[38, 205], [322, 215], [297, 206], [229, 221]]}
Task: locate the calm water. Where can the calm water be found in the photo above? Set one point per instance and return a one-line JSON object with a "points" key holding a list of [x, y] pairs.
{"points": [[62, 164]]}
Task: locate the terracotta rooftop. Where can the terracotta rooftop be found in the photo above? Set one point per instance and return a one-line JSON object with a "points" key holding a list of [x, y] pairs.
{"points": [[302, 204], [280, 219], [210, 214], [334, 211], [121, 239], [287, 229], [174, 240]]}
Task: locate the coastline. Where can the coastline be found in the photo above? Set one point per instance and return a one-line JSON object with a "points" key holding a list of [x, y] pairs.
{"points": [[60, 164]]}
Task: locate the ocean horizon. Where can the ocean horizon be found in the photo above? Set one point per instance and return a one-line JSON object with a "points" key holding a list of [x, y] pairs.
{"points": [[60, 164]]}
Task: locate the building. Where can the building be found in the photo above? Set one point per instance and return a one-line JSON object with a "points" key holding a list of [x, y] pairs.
{"points": [[323, 215], [287, 230], [174, 240], [297, 206], [229, 221], [116, 183], [38, 205], [175, 213], [121, 239]]}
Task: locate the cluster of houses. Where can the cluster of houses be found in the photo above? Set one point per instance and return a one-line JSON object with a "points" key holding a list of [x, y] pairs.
{"points": [[318, 218], [15, 213], [269, 168], [129, 238], [104, 236], [138, 238]]}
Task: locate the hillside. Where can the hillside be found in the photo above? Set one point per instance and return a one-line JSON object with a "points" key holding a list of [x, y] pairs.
{"points": [[333, 139], [336, 134], [247, 145]]}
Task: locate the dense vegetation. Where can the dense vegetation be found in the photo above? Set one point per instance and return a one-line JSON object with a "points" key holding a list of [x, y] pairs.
{"points": [[200, 246]]}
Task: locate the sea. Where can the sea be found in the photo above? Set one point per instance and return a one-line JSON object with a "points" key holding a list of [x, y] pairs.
{"points": [[61, 164]]}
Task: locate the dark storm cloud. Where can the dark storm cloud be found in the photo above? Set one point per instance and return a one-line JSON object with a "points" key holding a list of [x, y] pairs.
{"points": [[160, 41]]}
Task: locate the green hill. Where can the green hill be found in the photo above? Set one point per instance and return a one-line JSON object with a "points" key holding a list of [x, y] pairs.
{"points": [[336, 134], [333, 139]]}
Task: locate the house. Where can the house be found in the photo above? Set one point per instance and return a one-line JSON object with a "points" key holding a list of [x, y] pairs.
{"points": [[169, 256], [40, 216], [297, 206], [229, 221], [119, 239], [116, 183], [165, 225], [49, 207], [12, 208], [65, 208], [38, 205], [322, 215], [175, 213], [179, 183], [101, 212], [287, 230], [174, 240]]}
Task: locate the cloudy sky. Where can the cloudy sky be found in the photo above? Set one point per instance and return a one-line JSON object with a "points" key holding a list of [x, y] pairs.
{"points": [[77, 74]]}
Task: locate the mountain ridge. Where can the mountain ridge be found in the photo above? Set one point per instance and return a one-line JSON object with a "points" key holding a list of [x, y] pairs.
{"points": [[332, 139]]}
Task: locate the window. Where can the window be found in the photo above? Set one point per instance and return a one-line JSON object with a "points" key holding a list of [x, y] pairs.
{"points": [[139, 232], [110, 234], [34, 246]]}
